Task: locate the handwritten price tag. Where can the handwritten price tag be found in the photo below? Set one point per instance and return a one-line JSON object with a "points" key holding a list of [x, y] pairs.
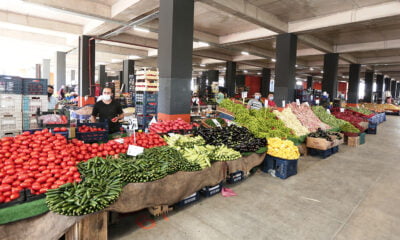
{"points": [[134, 150], [216, 123]]}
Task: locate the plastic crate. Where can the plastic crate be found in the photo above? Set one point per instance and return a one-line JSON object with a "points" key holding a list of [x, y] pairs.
{"points": [[211, 191], [320, 153], [11, 121], [29, 197], [32, 131], [31, 103], [80, 117], [34, 86], [65, 134], [235, 177], [143, 121], [145, 109], [10, 85], [188, 200], [29, 121], [146, 97], [335, 149], [21, 199], [226, 116], [10, 103], [91, 137], [43, 125], [283, 168], [10, 133], [362, 138]]}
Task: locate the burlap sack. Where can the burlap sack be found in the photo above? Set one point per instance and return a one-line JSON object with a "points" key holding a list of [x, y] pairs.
{"points": [[47, 226], [245, 164], [167, 191]]}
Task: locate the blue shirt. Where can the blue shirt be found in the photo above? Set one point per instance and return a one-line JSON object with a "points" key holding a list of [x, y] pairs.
{"points": [[52, 102]]}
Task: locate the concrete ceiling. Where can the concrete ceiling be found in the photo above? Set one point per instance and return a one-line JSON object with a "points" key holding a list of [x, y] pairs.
{"points": [[362, 31]]}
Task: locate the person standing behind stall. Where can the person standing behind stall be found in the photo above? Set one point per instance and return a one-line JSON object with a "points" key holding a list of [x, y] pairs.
{"points": [[271, 102], [255, 103], [52, 101], [108, 109]]}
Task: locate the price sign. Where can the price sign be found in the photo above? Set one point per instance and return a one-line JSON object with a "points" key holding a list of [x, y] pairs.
{"points": [[298, 102], [306, 103], [328, 111], [244, 94], [317, 101], [171, 134], [119, 140], [216, 123], [266, 103], [341, 109], [283, 103], [134, 150]]}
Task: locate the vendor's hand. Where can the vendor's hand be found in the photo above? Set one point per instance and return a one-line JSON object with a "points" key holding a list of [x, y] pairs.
{"points": [[114, 119]]}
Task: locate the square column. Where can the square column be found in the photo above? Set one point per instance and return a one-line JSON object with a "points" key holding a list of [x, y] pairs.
{"points": [[203, 85], [393, 89], [265, 81], [102, 75], [230, 76], [60, 70], [309, 82], [398, 90], [285, 68], [387, 83], [329, 79], [86, 66], [379, 88], [175, 40], [128, 74], [369, 81], [354, 83]]}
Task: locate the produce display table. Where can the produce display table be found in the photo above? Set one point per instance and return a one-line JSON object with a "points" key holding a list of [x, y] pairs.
{"points": [[134, 197]]}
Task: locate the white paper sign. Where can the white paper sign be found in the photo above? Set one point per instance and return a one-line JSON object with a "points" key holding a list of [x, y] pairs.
{"points": [[341, 109], [317, 101], [134, 150], [298, 102], [283, 103], [271, 85], [244, 94], [328, 111], [119, 140], [216, 123], [266, 103], [306, 103], [171, 134]]}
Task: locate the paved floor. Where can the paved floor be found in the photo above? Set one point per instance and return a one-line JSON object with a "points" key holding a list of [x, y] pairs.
{"points": [[352, 195]]}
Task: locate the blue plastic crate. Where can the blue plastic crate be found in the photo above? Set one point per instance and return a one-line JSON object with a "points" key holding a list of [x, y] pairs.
{"points": [[372, 128], [143, 121], [283, 168], [335, 149], [34, 86], [188, 200], [226, 116], [80, 117], [235, 177], [142, 109], [211, 191], [320, 153], [32, 131], [10, 85], [91, 137], [384, 117], [362, 138], [65, 134], [146, 97]]}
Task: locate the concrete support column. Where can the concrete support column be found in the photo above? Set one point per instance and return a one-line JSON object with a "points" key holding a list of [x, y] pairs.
{"points": [[102, 76], [387, 83], [46, 70], [398, 90], [369, 81], [60, 69], [379, 88], [393, 89], [309, 82], [329, 79], [265, 81], [38, 71], [86, 66], [203, 84], [285, 68], [230, 77], [213, 76], [175, 49], [129, 73], [354, 83]]}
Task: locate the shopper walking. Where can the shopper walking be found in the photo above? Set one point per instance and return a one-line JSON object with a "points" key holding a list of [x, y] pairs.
{"points": [[108, 110], [255, 103]]}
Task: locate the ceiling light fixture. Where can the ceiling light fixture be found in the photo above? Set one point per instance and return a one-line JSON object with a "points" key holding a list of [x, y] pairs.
{"points": [[258, 73], [311, 69], [273, 59], [115, 60], [133, 57], [245, 71], [202, 65], [296, 65], [245, 53], [140, 29], [204, 44], [322, 71]]}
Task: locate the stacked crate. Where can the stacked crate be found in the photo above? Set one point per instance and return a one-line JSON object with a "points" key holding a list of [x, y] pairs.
{"points": [[117, 89], [146, 95], [10, 105], [34, 99]]}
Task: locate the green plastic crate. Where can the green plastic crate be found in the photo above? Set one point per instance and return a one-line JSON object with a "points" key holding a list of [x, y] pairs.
{"points": [[362, 138]]}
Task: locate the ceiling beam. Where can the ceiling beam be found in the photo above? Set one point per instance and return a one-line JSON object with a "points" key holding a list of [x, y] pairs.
{"points": [[251, 13], [121, 5], [136, 40], [255, 34], [380, 60], [309, 52], [373, 12], [368, 46], [120, 50], [39, 23], [36, 38]]}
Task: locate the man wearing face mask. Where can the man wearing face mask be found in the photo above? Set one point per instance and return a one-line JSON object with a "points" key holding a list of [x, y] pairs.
{"points": [[51, 99], [255, 103], [271, 102], [108, 109]]}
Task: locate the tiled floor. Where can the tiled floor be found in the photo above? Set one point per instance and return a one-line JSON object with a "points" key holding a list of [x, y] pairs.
{"points": [[352, 195]]}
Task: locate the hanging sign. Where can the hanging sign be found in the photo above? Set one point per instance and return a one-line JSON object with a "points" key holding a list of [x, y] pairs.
{"points": [[283, 103], [271, 85], [298, 102], [266, 103]]}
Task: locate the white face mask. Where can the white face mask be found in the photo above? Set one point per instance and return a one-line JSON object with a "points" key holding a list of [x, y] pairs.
{"points": [[271, 98], [257, 97], [106, 97]]}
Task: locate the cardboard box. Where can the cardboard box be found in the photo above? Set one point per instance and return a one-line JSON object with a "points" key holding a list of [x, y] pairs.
{"points": [[353, 141], [303, 149]]}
